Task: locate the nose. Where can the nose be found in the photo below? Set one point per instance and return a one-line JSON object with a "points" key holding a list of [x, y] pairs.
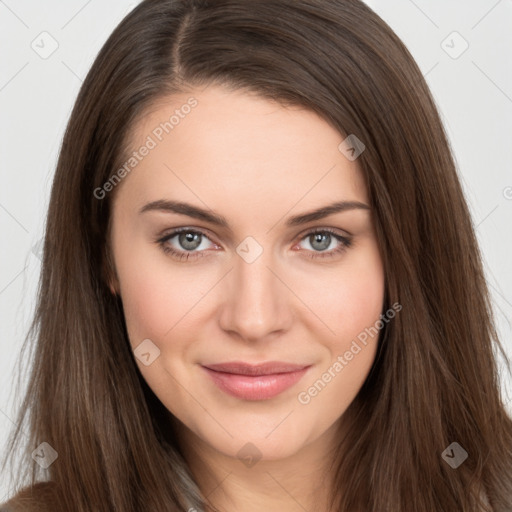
{"points": [[256, 302]]}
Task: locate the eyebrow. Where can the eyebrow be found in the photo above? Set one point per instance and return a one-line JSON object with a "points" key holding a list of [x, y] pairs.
{"points": [[218, 220]]}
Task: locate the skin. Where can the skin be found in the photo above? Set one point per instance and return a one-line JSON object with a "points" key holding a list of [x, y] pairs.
{"points": [[256, 163]]}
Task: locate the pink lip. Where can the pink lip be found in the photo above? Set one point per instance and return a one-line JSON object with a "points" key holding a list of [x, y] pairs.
{"points": [[255, 382]]}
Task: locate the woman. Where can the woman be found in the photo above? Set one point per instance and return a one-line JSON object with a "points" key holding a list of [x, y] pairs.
{"points": [[261, 287]]}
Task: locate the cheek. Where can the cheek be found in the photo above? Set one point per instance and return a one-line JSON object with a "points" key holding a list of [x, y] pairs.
{"points": [[154, 298], [345, 300], [348, 298], [360, 303], [351, 306]]}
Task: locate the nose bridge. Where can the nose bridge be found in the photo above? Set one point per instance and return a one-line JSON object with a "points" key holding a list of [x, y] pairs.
{"points": [[255, 304]]}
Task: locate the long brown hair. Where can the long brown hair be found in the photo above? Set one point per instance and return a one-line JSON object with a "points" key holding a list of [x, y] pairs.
{"points": [[434, 380]]}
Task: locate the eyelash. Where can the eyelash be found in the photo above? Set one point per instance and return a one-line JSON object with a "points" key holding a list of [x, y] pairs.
{"points": [[345, 243]]}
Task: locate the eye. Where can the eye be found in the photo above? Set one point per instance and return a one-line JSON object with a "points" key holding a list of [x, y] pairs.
{"points": [[191, 244], [322, 239], [187, 244]]}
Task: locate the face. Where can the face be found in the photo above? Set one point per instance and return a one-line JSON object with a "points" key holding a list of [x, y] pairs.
{"points": [[218, 261]]}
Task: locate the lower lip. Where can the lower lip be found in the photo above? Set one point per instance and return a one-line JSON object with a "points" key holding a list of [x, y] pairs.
{"points": [[260, 387]]}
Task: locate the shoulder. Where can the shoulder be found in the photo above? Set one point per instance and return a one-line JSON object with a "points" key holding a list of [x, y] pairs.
{"points": [[41, 497]]}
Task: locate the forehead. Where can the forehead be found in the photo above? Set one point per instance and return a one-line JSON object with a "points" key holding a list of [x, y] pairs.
{"points": [[235, 147]]}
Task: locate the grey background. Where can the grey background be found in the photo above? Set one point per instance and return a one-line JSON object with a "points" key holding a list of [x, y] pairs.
{"points": [[473, 90]]}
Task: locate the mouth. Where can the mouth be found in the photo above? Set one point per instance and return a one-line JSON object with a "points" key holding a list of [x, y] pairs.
{"points": [[255, 382]]}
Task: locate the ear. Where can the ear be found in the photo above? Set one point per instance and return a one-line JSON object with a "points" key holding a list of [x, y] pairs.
{"points": [[114, 288], [109, 272]]}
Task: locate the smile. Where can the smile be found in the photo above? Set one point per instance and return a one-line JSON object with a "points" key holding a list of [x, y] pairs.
{"points": [[249, 382]]}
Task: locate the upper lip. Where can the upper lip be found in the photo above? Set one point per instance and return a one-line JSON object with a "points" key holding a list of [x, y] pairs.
{"points": [[268, 368]]}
